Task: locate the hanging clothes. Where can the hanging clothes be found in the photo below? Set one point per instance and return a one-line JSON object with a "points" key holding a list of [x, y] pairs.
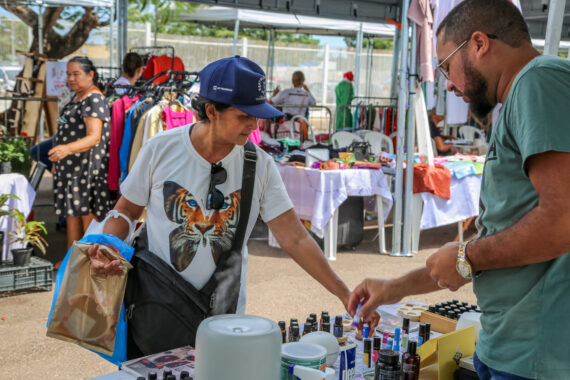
{"points": [[420, 13], [158, 64], [175, 119]]}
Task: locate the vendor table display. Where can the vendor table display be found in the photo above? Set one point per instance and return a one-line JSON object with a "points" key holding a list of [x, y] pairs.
{"points": [[18, 185], [317, 194]]}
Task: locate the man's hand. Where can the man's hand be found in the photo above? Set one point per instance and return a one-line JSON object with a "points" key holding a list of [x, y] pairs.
{"points": [[101, 263], [441, 267], [276, 91], [372, 293]]}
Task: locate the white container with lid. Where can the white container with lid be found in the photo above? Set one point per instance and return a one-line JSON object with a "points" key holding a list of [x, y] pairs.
{"points": [[238, 347]]}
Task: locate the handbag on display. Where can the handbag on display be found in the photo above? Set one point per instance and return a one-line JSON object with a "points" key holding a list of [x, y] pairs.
{"points": [[361, 150], [163, 309]]}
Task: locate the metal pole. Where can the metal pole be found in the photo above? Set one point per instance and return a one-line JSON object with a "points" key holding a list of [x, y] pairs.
{"points": [[40, 30], [124, 23], [13, 42], [236, 32], [410, 142], [120, 39], [554, 26], [111, 37], [244, 47], [325, 74], [402, 106], [357, 62], [369, 63], [395, 61]]}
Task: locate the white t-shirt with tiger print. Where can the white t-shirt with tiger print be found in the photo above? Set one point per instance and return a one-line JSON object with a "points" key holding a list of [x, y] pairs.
{"points": [[172, 180]]}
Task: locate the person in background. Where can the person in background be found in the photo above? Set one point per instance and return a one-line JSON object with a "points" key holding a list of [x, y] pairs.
{"points": [[299, 95], [132, 69], [443, 149], [344, 92], [519, 263], [80, 152]]}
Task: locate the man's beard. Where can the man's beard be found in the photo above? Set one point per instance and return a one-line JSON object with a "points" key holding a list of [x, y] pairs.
{"points": [[479, 103]]}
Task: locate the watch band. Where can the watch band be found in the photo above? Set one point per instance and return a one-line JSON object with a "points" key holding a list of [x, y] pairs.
{"points": [[462, 252]]}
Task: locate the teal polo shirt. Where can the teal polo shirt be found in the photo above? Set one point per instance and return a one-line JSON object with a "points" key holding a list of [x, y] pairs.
{"points": [[526, 309]]}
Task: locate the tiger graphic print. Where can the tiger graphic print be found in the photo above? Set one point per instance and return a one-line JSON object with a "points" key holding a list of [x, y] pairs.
{"points": [[195, 228]]}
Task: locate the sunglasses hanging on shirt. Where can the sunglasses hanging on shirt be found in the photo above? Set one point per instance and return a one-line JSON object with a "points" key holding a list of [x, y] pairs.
{"points": [[218, 175]]}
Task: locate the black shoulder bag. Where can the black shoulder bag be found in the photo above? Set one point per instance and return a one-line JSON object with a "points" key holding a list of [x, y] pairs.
{"points": [[164, 310]]}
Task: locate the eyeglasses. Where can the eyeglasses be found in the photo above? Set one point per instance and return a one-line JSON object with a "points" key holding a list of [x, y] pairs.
{"points": [[445, 72], [218, 175]]}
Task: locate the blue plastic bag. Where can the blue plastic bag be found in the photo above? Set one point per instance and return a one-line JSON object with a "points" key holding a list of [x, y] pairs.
{"points": [[120, 352]]}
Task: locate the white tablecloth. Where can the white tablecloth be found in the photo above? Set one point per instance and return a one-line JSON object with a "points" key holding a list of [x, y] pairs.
{"points": [[316, 194], [463, 204], [18, 185]]}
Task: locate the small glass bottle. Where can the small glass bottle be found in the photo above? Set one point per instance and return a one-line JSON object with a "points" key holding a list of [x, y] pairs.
{"points": [[387, 366], [152, 375], [428, 332], [411, 363], [283, 331], [367, 357], [308, 327], [184, 375], [294, 337], [326, 319], [406, 325], [166, 373], [326, 327], [338, 330]]}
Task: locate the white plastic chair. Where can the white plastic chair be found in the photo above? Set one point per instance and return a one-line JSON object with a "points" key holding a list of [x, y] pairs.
{"points": [[379, 142], [468, 132], [343, 139]]}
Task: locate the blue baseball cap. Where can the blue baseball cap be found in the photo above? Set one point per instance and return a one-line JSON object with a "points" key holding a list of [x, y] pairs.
{"points": [[240, 82]]}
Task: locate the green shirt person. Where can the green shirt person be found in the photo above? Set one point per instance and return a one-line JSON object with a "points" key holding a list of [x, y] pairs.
{"points": [[344, 93], [519, 262]]}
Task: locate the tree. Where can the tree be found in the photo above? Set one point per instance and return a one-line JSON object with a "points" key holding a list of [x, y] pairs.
{"points": [[378, 43], [59, 42]]}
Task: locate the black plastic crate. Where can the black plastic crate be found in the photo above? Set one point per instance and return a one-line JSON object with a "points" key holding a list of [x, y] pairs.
{"points": [[37, 274]]}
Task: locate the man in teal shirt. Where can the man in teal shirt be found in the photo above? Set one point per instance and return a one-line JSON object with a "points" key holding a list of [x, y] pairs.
{"points": [[519, 262]]}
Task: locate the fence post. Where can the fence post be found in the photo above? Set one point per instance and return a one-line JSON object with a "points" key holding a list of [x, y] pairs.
{"points": [[325, 74]]}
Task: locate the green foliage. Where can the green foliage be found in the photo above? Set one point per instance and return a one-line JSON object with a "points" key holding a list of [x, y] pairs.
{"points": [[379, 44], [16, 149], [10, 211], [29, 233], [12, 28]]}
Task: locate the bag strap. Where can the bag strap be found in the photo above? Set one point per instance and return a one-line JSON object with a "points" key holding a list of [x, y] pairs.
{"points": [[247, 183]]}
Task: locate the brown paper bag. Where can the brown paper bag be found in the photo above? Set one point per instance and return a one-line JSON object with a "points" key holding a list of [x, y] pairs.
{"points": [[89, 304]]}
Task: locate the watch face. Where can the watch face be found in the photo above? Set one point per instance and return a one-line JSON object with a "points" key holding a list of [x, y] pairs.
{"points": [[463, 269]]}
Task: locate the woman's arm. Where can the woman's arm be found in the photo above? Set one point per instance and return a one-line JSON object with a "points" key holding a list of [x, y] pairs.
{"points": [[93, 127]]}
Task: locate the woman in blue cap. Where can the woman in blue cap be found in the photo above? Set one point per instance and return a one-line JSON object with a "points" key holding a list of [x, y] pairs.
{"points": [[190, 180]]}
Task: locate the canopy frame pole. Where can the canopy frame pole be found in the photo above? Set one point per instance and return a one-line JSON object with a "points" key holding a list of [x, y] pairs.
{"points": [[369, 65], [111, 36], [357, 61], [395, 61], [402, 106], [120, 40], [325, 73], [236, 33], [41, 29], [554, 26], [410, 140]]}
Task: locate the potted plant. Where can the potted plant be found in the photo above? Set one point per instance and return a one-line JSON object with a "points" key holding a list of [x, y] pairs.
{"points": [[9, 151], [9, 212], [28, 234]]}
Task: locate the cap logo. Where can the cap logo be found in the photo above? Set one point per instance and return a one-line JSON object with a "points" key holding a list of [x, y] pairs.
{"points": [[216, 88], [261, 84]]}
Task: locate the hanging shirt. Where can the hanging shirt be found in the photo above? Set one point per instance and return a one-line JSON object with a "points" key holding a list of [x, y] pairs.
{"points": [[123, 82], [175, 119], [120, 107], [156, 65], [297, 96]]}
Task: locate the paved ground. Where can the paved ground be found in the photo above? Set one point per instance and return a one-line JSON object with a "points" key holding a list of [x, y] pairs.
{"points": [[277, 289]]}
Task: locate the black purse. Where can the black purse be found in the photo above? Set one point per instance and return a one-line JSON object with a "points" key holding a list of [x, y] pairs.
{"points": [[163, 310]]}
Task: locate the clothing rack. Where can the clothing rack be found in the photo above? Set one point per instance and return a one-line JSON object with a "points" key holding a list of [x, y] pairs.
{"points": [[370, 108], [179, 81]]}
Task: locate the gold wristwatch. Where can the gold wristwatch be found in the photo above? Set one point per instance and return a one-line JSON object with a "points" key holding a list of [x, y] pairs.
{"points": [[462, 264]]}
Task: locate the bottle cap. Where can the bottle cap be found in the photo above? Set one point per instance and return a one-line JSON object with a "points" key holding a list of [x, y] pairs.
{"points": [[295, 330], [412, 347], [431, 309], [310, 320], [451, 314], [326, 318], [455, 301], [389, 357], [184, 374], [140, 378], [170, 377], [406, 324], [338, 320], [167, 372], [152, 375], [422, 329], [294, 320], [441, 311], [464, 303], [324, 312], [314, 316], [367, 344], [282, 324]]}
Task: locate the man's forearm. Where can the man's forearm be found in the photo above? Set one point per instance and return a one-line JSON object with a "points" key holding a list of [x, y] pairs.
{"points": [[541, 235]]}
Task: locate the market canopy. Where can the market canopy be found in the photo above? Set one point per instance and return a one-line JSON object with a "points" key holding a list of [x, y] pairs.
{"points": [[288, 22], [65, 3]]}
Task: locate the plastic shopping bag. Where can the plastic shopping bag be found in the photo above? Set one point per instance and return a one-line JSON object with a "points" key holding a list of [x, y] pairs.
{"points": [[88, 308]]}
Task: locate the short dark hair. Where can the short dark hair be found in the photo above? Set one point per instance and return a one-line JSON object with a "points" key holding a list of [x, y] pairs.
{"points": [[497, 17], [199, 104], [87, 66], [131, 63]]}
